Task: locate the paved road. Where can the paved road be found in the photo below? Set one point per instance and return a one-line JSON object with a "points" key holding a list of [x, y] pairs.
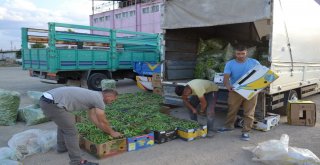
{"points": [[222, 149]]}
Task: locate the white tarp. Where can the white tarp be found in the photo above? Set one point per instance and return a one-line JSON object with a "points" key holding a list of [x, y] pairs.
{"points": [[202, 13]]}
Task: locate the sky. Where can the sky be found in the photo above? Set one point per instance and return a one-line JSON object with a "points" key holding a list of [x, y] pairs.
{"points": [[15, 14]]}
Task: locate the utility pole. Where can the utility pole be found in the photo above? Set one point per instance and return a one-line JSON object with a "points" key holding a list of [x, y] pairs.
{"points": [[11, 44], [135, 2], [92, 8], [91, 21], [113, 24]]}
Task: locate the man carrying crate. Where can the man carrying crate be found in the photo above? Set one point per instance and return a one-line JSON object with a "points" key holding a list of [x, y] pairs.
{"points": [[233, 71]]}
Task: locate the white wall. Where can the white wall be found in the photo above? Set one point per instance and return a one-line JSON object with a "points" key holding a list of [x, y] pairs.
{"points": [[7, 55]]}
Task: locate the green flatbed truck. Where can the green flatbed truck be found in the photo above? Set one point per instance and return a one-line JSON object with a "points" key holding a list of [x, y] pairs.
{"points": [[73, 52]]}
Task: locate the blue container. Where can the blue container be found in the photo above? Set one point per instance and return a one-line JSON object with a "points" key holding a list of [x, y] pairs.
{"points": [[146, 68]]}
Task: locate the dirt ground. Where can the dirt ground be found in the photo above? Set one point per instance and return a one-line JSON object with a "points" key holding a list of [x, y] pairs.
{"points": [[223, 149], [8, 63]]}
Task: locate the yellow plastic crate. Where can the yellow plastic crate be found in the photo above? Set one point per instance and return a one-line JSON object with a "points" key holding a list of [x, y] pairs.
{"points": [[192, 134], [202, 131]]}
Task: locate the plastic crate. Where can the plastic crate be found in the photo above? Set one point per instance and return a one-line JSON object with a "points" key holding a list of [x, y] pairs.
{"points": [[192, 134]]}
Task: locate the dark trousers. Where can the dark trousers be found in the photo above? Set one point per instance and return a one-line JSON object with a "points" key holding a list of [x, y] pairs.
{"points": [[67, 134], [211, 99]]}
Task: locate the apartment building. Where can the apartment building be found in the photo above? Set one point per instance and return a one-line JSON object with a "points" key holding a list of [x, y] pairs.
{"points": [[133, 15]]}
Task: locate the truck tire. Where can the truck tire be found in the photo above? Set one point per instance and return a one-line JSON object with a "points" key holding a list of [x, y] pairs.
{"points": [[94, 81], [293, 95]]}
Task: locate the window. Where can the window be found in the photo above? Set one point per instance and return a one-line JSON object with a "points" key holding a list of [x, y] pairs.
{"points": [[101, 19], [107, 18], [145, 10], [132, 13], [125, 14], [118, 16], [155, 8], [96, 20]]}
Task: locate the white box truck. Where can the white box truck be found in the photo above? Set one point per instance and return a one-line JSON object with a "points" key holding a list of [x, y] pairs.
{"points": [[289, 28]]}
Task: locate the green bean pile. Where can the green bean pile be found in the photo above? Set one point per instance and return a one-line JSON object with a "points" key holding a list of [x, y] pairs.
{"points": [[134, 115], [9, 104]]}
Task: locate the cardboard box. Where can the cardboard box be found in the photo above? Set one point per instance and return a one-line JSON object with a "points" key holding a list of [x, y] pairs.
{"points": [[165, 136], [301, 113], [156, 84], [140, 142], [269, 122], [192, 134], [254, 81], [218, 78], [165, 110], [81, 141], [144, 82], [157, 90], [156, 77], [104, 150]]}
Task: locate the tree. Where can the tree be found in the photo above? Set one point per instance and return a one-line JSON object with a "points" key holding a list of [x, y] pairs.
{"points": [[38, 45]]}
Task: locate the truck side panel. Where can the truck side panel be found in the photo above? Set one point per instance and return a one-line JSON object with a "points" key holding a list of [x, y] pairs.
{"points": [[80, 51], [127, 58], [82, 59], [296, 23], [35, 58]]}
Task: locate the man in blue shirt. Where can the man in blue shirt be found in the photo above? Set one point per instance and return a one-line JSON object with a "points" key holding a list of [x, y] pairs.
{"points": [[233, 71]]}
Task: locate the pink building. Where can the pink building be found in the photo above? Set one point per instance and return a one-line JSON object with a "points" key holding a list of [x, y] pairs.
{"points": [[142, 17]]}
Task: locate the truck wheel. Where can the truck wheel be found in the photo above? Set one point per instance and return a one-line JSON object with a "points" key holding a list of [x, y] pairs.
{"points": [[293, 95], [94, 81]]}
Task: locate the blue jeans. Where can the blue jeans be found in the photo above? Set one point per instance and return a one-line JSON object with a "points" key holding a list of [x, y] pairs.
{"points": [[211, 99]]}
